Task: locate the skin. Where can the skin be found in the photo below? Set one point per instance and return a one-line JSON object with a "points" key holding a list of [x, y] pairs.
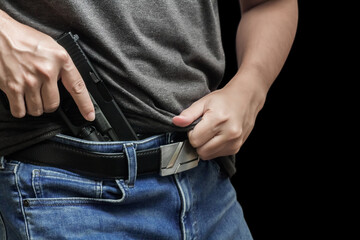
{"points": [[31, 66], [264, 38], [31, 63]]}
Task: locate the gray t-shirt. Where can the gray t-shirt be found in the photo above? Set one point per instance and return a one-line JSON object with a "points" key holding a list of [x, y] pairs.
{"points": [[156, 57]]}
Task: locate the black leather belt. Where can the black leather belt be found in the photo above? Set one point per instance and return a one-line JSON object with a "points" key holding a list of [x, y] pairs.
{"points": [[167, 159]]}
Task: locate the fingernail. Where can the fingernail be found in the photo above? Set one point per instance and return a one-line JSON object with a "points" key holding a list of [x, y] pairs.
{"points": [[180, 116], [90, 116]]}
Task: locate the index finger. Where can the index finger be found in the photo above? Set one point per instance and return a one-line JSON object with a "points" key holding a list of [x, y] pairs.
{"points": [[75, 85]]}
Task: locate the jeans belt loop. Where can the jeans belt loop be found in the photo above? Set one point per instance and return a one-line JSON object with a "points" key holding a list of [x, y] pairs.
{"points": [[130, 152]]}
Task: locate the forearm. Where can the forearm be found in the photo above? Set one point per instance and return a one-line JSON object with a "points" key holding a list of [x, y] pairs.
{"points": [[264, 38]]}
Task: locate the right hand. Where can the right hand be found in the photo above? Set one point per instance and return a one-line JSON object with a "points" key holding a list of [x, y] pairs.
{"points": [[31, 63]]}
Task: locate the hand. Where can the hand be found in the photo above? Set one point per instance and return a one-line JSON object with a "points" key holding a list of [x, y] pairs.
{"points": [[227, 118], [31, 63]]}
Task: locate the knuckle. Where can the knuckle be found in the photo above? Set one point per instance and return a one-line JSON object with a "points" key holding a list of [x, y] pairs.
{"points": [[33, 107], [63, 55], [235, 132], [36, 112], [217, 120], [78, 87], [49, 108], [47, 71], [14, 88], [221, 118], [30, 82], [195, 142]]}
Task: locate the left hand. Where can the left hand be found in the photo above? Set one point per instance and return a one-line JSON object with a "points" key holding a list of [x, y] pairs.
{"points": [[227, 118]]}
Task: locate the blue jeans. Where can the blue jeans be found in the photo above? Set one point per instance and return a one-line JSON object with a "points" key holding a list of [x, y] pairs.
{"points": [[40, 202]]}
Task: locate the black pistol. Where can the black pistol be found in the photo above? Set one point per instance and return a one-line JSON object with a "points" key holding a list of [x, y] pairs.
{"points": [[110, 123]]}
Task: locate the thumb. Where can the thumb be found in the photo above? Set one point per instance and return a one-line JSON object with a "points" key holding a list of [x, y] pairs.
{"points": [[189, 115]]}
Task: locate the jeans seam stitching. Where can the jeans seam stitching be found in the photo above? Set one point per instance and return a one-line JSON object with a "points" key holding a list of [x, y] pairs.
{"points": [[183, 206], [21, 202], [194, 207], [73, 201], [35, 183], [68, 179], [62, 176], [123, 189]]}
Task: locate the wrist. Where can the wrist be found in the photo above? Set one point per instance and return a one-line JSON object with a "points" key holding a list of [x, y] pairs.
{"points": [[250, 86]]}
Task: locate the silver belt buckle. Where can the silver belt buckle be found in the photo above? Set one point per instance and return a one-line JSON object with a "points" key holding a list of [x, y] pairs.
{"points": [[177, 157]]}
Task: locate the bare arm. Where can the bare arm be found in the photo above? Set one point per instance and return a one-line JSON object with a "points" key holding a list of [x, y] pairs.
{"points": [[264, 38], [30, 65]]}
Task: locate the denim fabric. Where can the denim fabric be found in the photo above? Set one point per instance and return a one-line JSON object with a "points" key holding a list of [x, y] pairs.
{"points": [[40, 202], [2, 229]]}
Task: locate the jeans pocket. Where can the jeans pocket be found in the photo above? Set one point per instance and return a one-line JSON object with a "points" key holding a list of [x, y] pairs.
{"points": [[53, 186]]}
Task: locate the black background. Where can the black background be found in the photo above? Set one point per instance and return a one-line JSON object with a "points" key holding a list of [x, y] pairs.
{"points": [[288, 170]]}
